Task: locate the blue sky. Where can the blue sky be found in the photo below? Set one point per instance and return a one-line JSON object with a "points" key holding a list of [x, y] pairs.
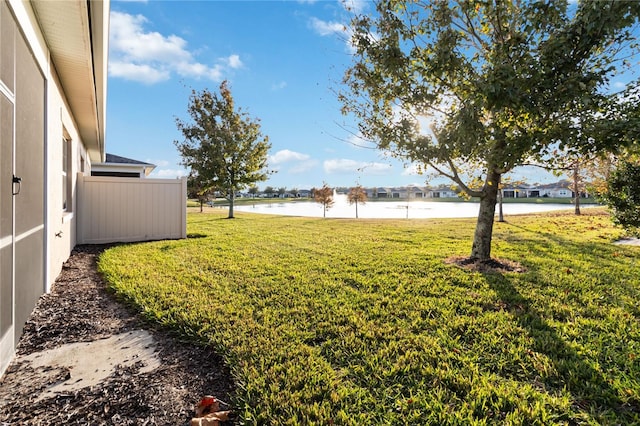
{"points": [[284, 61]]}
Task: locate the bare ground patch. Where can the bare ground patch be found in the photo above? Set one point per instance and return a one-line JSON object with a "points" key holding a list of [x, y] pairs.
{"points": [[499, 266], [80, 309]]}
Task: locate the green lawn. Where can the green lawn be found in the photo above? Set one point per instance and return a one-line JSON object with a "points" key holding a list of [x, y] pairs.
{"points": [[361, 322]]}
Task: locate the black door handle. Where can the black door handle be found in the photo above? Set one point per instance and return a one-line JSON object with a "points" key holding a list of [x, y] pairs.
{"points": [[17, 180]]}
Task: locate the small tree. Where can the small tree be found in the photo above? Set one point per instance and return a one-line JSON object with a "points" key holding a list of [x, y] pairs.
{"points": [[281, 191], [505, 181], [622, 195], [356, 195], [253, 190], [198, 190], [323, 196], [222, 146], [269, 191]]}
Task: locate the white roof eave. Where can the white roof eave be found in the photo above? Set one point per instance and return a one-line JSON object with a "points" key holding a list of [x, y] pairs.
{"points": [[76, 33]]}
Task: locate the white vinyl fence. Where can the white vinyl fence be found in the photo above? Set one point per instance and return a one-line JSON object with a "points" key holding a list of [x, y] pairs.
{"points": [[114, 209]]}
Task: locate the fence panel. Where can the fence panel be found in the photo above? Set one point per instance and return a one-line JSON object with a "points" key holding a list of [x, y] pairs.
{"points": [[112, 209]]}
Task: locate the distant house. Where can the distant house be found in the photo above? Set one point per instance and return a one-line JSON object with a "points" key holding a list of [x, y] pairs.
{"points": [[398, 193], [382, 192], [555, 190], [443, 192], [117, 166], [517, 191], [415, 192]]}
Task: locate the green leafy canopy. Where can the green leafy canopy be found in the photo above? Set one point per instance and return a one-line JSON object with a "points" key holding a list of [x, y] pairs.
{"points": [[464, 86], [223, 147]]}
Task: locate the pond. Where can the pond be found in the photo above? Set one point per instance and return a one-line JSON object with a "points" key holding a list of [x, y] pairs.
{"points": [[393, 209]]}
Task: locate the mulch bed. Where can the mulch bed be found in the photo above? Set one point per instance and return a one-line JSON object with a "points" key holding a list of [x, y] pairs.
{"points": [[496, 266], [80, 309]]}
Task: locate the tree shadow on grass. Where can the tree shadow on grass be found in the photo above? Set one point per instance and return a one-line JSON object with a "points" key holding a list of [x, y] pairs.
{"points": [[196, 235], [576, 374]]}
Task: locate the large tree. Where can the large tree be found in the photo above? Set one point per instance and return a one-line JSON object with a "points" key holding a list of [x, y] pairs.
{"points": [[498, 80], [222, 145]]}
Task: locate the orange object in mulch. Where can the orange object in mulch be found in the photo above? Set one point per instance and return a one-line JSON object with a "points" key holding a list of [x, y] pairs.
{"points": [[208, 412]]}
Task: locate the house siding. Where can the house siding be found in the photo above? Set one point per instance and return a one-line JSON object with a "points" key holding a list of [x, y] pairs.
{"points": [[37, 235], [61, 224]]}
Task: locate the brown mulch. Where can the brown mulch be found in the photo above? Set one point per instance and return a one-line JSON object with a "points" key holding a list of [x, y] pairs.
{"points": [[496, 266], [80, 309]]}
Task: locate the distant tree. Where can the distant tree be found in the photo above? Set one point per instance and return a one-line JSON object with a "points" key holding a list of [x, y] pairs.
{"points": [[597, 173], [199, 190], [281, 191], [323, 196], [294, 191], [499, 80], [578, 184], [356, 195], [253, 190], [622, 195], [504, 182], [222, 146], [269, 191]]}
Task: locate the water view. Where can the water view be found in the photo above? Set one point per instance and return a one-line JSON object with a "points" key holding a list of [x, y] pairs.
{"points": [[392, 209]]}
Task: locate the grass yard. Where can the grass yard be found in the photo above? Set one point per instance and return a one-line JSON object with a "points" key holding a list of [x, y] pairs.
{"points": [[361, 322]]}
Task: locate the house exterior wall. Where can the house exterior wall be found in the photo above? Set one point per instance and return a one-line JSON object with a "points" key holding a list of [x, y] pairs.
{"points": [[61, 223], [121, 209], [557, 192], [41, 235]]}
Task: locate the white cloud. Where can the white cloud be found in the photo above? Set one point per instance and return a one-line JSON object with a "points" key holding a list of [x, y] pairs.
{"points": [[356, 6], [303, 167], [158, 163], [279, 86], [140, 73], [234, 61], [619, 85], [285, 156], [358, 141], [150, 57], [168, 173], [347, 166], [331, 28], [412, 170], [325, 28]]}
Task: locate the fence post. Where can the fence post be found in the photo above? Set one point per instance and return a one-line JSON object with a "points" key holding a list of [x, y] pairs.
{"points": [[183, 204]]}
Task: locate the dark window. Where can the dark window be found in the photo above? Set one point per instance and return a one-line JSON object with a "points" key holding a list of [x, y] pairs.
{"points": [[116, 174]]}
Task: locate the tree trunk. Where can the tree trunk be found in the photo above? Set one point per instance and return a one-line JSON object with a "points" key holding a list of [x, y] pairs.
{"points": [[500, 214], [232, 198], [576, 190], [481, 249], [356, 209], [201, 203]]}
